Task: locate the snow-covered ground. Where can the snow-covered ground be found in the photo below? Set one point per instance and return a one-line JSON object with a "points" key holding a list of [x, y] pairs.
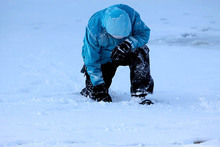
{"points": [[40, 79]]}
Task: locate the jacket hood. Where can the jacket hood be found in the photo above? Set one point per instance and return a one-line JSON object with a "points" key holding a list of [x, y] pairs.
{"points": [[117, 22]]}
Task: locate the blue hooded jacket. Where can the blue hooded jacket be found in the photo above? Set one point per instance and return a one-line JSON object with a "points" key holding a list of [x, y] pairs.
{"points": [[118, 20]]}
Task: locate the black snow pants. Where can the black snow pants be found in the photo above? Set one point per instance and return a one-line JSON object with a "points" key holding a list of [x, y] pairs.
{"points": [[140, 77]]}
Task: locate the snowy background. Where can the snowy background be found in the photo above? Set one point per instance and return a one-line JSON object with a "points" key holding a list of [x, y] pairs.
{"points": [[40, 79]]}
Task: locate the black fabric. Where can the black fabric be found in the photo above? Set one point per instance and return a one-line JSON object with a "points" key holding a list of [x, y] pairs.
{"points": [[100, 93], [97, 93], [140, 77], [141, 80], [120, 51]]}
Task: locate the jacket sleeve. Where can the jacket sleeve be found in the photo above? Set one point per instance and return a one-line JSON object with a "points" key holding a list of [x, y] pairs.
{"points": [[140, 32], [91, 57]]}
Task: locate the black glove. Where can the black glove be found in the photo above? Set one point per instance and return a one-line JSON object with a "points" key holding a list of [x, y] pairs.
{"points": [[120, 51], [100, 93]]}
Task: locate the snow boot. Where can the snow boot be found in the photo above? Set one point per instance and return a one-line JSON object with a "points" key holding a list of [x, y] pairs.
{"points": [[97, 93], [100, 93], [145, 101], [86, 92], [141, 99]]}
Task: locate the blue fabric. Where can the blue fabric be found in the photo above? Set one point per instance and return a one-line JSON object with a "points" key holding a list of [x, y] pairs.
{"points": [[117, 22], [98, 43]]}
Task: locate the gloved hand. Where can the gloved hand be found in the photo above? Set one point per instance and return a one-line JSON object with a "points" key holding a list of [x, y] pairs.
{"points": [[100, 93], [121, 50]]}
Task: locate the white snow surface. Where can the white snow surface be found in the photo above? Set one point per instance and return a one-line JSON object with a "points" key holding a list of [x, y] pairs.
{"points": [[40, 79]]}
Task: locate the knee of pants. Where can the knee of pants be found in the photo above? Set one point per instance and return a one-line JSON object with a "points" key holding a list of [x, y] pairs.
{"points": [[144, 48]]}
